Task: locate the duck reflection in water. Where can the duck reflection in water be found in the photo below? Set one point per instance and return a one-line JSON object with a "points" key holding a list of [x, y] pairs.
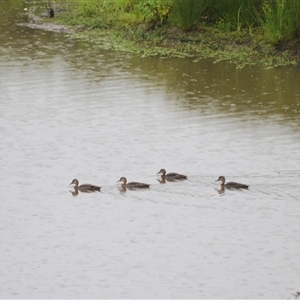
{"points": [[131, 185], [170, 176], [75, 192], [84, 188], [230, 185]]}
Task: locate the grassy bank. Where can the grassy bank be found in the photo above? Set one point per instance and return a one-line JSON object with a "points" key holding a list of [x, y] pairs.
{"points": [[240, 31]]}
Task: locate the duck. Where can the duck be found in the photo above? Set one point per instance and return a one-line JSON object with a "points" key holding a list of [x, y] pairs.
{"points": [[85, 188], [171, 176], [231, 185], [133, 185]]}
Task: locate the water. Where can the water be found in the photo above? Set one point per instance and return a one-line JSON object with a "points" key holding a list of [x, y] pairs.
{"points": [[71, 110]]}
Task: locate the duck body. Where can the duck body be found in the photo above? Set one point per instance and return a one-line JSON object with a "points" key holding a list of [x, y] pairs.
{"points": [[171, 176], [133, 184], [85, 187], [232, 185]]}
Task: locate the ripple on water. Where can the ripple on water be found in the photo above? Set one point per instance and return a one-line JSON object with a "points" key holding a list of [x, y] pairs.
{"points": [[70, 110]]}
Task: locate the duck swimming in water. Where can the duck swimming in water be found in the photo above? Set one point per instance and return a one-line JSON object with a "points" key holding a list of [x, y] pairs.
{"points": [[133, 185], [171, 176], [85, 188], [231, 185]]}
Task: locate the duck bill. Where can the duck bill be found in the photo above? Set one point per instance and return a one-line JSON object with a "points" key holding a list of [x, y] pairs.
{"points": [[217, 180]]}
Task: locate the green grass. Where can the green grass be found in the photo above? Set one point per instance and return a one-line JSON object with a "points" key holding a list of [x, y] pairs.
{"points": [[282, 20], [236, 14], [186, 13], [202, 29]]}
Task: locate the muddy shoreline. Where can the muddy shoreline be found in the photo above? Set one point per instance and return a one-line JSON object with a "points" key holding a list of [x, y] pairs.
{"points": [[48, 27]]}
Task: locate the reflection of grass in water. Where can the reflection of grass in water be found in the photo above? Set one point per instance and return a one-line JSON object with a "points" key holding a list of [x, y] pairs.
{"points": [[209, 44]]}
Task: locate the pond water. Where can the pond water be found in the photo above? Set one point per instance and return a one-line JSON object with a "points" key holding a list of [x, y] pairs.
{"points": [[72, 110]]}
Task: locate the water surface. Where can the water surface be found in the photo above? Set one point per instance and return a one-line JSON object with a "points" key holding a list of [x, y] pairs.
{"points": [[72, 110]]}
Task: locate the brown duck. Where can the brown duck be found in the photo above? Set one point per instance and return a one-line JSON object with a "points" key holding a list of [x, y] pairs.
{"points": [[133, 185], [85, 188], [171, 176], [231, 185]]}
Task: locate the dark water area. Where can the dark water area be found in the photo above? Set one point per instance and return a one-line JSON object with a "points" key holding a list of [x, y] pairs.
{"points": [[69, 109]]}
